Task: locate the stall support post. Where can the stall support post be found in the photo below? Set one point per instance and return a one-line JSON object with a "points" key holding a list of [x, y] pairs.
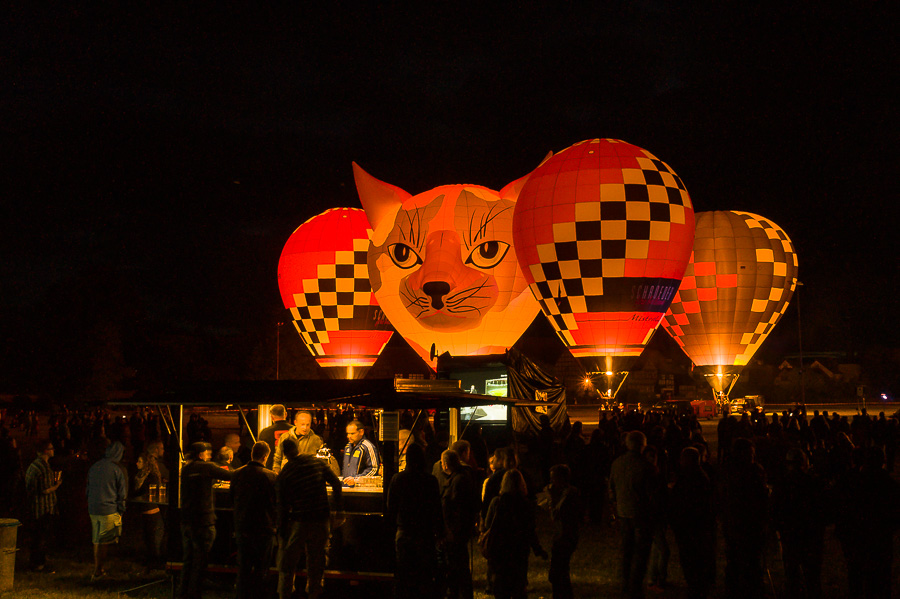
{"points": [[263, 418], [454, 425], [180, 444]]}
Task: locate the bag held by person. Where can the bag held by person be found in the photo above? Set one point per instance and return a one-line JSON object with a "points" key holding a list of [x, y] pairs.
{"points": [[486, 544]]}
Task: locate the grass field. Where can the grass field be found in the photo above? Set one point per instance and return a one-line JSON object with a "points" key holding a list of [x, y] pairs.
{"points": [[594, 573]]}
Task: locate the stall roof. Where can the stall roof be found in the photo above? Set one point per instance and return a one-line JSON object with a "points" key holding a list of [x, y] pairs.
{"points": [[372, 393]]}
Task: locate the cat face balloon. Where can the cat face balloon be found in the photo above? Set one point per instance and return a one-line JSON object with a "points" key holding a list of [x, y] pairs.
{"points": [[443, 267]]}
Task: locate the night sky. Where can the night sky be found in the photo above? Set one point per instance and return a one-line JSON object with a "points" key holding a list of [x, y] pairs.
{"points": [[156, 162]]}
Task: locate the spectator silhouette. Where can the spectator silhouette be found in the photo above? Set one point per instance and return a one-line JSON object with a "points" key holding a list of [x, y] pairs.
{"points": [[510, 518], [744, 516], [255, 521], [659, 550], [867, 518], [798, 514], [694, 523], [414, 509], [459, 502], [567, 513], [631, 483], [40, 486], [304, 516]]}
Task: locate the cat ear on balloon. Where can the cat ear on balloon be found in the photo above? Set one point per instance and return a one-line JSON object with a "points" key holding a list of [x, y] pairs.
{"points": [[380, 200]]}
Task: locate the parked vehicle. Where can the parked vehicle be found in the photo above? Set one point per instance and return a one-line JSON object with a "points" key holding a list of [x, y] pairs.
{"points": [[749, 403], [704, 408]]}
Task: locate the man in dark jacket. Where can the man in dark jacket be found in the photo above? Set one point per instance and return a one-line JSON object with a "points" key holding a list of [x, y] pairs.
{"points": [[867, 519], [694, 523], [459, 502], [567, 513], [272, 433], [107, 490], [253, 495], [744, 516], [198, 515], [303, 517], [414, 508], [798, 513], [631, 483]]}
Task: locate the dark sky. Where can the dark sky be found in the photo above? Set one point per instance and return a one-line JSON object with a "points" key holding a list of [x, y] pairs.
{"points": [[157, 161]]}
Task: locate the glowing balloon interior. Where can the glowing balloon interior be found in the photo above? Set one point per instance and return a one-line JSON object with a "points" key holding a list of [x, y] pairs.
{"points": [[603, 231], [443, 266], [324, 282], [740, 279]]}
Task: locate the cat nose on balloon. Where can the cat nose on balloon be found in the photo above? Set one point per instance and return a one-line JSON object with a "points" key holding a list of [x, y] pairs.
{"points": [[436, 290]]}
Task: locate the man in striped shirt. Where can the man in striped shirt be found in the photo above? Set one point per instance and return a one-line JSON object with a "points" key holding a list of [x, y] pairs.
{"points": [[303, 517], [41, 486]]}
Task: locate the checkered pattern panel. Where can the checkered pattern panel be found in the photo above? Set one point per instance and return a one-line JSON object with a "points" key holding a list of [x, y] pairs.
{"points": [[603, 231], [737, 285], [324, 281]]}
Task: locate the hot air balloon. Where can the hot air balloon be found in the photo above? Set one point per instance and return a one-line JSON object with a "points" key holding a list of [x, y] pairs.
{"points": [[737, 285], [604, 230], [324, 282], [443, 266]]}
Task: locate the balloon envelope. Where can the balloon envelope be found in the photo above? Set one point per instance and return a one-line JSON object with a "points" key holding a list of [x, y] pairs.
{"points": [[324, 282], [737, 285], [604, 231], [444, 269]]}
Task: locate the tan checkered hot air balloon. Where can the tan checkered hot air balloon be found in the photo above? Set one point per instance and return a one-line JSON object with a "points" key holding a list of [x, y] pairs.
{"points": [[736, 287]]}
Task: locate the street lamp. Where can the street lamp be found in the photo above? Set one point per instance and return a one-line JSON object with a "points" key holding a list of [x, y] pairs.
{"points": [[800, 343], [278, 350]]}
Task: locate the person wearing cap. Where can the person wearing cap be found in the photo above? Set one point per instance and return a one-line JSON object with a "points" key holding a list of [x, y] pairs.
{"points": [[198, 515], [272, 434]]}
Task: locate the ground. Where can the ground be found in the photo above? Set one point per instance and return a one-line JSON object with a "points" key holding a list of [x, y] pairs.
{"points": [[593, 573]]}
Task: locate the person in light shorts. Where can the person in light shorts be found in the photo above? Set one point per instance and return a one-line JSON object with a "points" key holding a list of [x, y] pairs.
{"points": [[106, 529], [107, 490]]}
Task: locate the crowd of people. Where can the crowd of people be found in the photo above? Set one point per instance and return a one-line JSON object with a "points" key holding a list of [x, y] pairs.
{"points": [[774, 479]]}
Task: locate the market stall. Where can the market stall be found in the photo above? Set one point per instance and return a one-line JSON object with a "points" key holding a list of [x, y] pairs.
{"points": [[360, 549]]}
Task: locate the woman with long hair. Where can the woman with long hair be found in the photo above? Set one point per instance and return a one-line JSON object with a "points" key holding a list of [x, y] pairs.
{"points": [[510, 519]]}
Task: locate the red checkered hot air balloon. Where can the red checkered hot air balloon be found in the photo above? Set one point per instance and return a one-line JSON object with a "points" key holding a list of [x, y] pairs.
{"points": [[736, 287], [604, 230], [324, 282]]}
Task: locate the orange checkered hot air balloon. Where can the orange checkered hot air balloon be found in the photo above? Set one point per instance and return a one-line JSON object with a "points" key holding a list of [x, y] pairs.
{"points": [[737, 285], [604, 230], [324, 282]]}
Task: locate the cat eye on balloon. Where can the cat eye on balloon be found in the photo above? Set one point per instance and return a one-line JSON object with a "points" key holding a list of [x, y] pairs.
{"points": [[488, 254], [403, 255]]}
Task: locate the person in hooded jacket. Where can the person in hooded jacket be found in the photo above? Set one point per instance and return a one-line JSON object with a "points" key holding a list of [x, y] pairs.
{"points": [[107, 490]]}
